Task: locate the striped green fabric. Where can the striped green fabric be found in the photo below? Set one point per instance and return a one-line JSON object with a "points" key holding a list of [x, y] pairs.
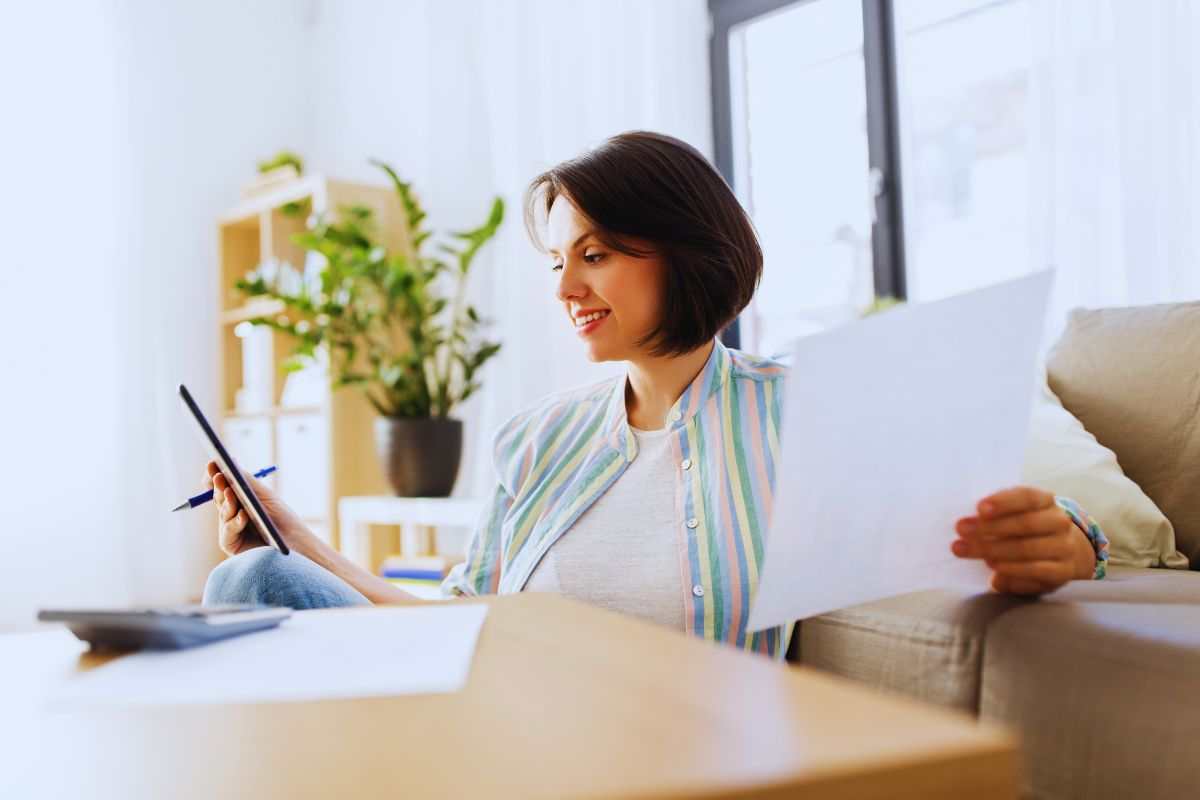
{"points": [[555, 459]]}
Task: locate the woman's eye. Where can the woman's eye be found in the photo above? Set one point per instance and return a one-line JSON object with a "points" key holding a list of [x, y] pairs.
{"points": [[590, 258]]}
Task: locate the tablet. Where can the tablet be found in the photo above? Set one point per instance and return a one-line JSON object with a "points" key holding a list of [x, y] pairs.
{"points": [[237, 481]]}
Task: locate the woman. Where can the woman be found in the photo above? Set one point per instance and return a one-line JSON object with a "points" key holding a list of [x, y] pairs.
{"points": [[649, 494]]}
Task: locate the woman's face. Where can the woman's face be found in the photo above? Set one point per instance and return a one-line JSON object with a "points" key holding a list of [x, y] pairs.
{"points": [[594, 279]]}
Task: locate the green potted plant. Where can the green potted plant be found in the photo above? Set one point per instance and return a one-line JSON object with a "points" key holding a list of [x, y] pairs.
{"points": [[396, 325]]}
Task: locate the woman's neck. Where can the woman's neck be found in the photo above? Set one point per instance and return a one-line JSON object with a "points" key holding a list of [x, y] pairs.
{"points": [[656, 383]]}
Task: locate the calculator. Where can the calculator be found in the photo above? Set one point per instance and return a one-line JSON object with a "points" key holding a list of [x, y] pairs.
{"points": [[165, 627]]}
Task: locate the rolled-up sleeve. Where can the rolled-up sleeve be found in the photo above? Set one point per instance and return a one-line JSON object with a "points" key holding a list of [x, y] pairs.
{"points": [[1091, 529], [480, 572]]}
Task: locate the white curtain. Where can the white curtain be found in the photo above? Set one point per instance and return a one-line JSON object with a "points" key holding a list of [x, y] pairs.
{"points": [[558, 78], [1116, 150]]}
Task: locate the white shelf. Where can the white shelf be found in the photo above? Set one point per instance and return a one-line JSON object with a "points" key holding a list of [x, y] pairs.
{"points": [[382, 510], [257, 308], [290, 192], [416, 516]]}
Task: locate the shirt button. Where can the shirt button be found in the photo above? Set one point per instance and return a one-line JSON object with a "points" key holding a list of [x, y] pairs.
{"points": [[693, 522], [698, 590], [676, 416], [686, 463]]}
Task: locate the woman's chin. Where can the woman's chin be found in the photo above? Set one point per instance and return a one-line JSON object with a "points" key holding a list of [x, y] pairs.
{"points": [[597, 352]]}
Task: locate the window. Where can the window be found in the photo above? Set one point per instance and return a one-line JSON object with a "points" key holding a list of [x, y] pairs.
{"points": [[804, 126], [800, 134], [816, 106]]}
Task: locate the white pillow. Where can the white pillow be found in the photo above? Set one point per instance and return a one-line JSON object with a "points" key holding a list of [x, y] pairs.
{"points": [[1062, 457]]}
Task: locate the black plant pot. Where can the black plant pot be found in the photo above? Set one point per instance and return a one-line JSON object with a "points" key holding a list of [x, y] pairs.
{"points": [[420, 456]]}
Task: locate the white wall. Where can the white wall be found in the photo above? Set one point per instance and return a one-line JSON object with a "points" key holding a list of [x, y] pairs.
{"points": [[132, 126], [61, 155]]}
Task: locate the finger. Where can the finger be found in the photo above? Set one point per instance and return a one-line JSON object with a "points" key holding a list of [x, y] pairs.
{"points": [[1023, 548], [967, 548], [1010, 585], [231, 506], [1030, 523], [219, 482], [1052, 573], [1009, 501], [238, 523]]}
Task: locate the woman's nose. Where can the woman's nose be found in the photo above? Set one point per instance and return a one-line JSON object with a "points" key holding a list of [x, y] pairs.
{"points": [[569, 285]]}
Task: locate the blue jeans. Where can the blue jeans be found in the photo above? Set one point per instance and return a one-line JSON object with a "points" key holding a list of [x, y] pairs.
{"points": [[263, 575]]}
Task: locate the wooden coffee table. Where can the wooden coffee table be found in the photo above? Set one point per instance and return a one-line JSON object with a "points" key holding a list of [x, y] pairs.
{"points": [[564, 700]]}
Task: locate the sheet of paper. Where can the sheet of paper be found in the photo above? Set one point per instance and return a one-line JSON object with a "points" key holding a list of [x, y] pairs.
{"points": [[893, 428], [313, 655]]}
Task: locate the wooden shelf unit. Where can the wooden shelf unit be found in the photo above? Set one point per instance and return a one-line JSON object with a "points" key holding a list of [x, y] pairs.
{"points": [[325, 450]]}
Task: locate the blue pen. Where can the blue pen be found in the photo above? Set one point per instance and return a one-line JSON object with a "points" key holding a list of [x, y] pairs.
{"points": [[201, 499]]}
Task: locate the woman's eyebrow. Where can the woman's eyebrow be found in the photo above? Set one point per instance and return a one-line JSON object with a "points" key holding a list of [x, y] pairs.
{"points": [[583, 236]]}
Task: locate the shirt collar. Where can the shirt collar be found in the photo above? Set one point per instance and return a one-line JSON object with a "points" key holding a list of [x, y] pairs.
{"points": [[711, 378]]}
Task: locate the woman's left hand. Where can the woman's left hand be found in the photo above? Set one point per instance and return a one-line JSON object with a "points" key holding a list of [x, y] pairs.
{"points": [[1028, 541]]}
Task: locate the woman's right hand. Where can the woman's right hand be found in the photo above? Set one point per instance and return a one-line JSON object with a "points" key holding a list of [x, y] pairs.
{"points": [[236, 532]]}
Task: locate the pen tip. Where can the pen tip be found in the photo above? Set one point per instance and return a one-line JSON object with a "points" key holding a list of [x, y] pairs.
{"points": [[181, 506]]}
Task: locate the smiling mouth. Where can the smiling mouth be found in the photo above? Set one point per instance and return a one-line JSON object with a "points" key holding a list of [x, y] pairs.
{"points": [[583, 322]]}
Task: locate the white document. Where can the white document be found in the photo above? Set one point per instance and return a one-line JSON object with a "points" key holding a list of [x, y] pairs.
{"points": [[893, 428], [313, 655]]}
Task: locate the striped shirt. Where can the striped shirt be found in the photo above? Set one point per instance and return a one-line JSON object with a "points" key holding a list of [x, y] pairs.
{"points": [[555, 459]]}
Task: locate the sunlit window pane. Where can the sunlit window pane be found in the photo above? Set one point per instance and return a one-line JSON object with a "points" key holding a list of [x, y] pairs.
{"points": [[801, 164]]}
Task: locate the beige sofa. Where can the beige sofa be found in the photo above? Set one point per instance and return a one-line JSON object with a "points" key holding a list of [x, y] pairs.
{"points": [[1101, 678]]}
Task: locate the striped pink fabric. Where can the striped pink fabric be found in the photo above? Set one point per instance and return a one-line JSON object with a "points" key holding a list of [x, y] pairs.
{"points": [[555, 459]]}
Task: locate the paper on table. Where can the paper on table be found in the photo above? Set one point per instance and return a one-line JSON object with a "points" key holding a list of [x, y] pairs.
{"points": [[894, 427], [313, 655]]}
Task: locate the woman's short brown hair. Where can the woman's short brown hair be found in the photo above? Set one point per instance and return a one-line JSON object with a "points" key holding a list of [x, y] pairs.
{"points": [[659, 189]]}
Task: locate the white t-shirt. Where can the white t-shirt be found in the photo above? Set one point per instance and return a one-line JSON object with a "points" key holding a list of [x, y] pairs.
{"points": [[623, 552]]}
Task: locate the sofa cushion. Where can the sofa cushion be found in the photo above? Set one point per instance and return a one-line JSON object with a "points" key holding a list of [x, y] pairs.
{"points": [[925, 644], [1101, 680], [1130, 375], [1062, 457]]}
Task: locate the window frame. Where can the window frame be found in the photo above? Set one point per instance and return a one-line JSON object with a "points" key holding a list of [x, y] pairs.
{"points": [[883, 127]]}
